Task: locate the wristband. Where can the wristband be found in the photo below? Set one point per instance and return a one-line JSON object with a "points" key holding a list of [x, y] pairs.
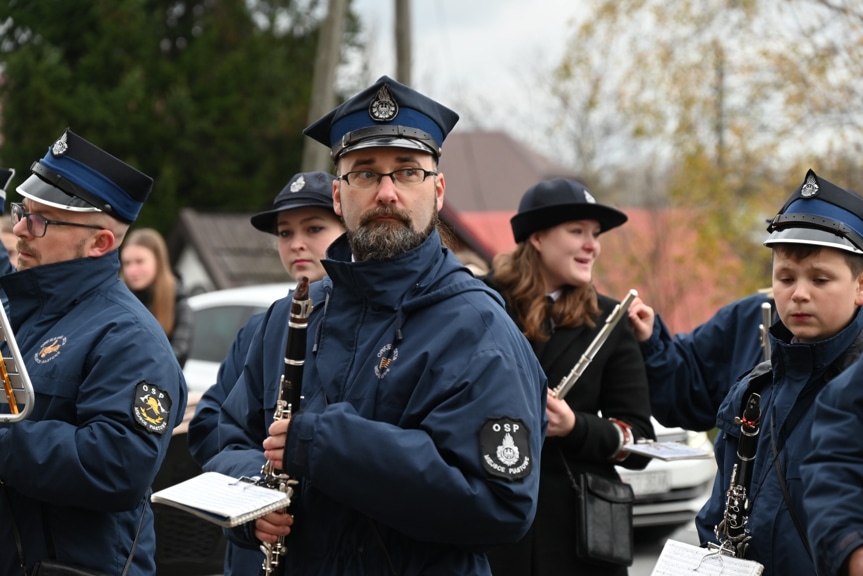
{"points": [[624, 431]]}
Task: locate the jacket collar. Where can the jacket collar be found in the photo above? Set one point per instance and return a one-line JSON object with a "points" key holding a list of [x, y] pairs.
{"points": [[55, 288], [385, 283]]}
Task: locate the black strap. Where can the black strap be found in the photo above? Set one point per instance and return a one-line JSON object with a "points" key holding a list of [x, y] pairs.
{"points": [[572, 480], [15, 530], [380, 540], [798, 524], [137, 533], [20, 547]]}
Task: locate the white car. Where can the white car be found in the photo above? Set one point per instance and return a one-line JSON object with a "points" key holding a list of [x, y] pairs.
{"points": [[668, 494], [219, 315]]}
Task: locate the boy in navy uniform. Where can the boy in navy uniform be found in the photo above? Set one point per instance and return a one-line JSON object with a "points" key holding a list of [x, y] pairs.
{"points": [[817, 242], [417, 443], [75, 474]]}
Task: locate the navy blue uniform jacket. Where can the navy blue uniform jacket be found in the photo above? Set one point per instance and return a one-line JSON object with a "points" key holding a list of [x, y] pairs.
{"points": [[80, 466], [408, 360], [833, 472]]}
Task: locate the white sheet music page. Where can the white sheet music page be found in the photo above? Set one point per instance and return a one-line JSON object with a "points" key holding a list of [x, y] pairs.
{"points": [[680, 558], [222, 499]]}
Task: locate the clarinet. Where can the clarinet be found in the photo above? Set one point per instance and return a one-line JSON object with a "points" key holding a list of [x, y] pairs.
{"points": [[290, 395], [731, 531]]}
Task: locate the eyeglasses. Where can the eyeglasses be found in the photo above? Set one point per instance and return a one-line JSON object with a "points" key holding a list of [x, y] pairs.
{"points": [[37, 225], [403, 177]]}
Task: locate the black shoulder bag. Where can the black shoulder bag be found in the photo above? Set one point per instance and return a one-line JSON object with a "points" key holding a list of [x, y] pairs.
{"points": [[603, 518]]}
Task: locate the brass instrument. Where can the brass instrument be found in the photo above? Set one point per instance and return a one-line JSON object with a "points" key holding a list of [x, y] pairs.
{"points": [[616, 315], [290, 395], [16, 381]]}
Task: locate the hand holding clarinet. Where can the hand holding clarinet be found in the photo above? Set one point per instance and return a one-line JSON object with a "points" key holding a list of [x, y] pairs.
{"points": [[272, 529]]}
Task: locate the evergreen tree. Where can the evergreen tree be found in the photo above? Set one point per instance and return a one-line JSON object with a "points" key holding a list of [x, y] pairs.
{"points": [[207, 96]]}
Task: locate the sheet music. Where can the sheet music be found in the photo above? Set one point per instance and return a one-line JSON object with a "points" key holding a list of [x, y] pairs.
{"points": [[222, 499], [679, 558]]}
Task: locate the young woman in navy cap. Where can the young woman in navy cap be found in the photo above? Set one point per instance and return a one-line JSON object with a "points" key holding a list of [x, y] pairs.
{"points": [[547, 281], [303, 220]]}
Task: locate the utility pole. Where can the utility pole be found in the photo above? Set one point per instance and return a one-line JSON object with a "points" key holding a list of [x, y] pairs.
{"points": [[315, 156], [404, 41]]}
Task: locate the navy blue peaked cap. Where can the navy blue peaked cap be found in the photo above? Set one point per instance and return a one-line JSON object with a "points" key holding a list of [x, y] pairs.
{"points": [[553, 202], [306, 189], [822, 214], [385, 114], [78, 176]]}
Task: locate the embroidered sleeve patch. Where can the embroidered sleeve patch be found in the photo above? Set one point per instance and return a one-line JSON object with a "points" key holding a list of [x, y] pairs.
{"points": [[505, 447], [152, 407]]}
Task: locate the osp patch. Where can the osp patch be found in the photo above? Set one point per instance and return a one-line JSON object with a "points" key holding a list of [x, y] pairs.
{"points": [[387, 355], [49, 349], [152, 407], [505, 447]]}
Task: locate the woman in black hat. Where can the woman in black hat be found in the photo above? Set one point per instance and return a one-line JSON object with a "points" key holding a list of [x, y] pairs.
{"points": [[547, 282]]}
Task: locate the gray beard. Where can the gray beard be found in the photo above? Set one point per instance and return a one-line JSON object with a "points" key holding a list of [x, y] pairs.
{"points": [[384, 240]]}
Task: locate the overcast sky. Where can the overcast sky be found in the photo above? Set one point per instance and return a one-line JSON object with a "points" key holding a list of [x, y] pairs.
{"points": [[486, 59]]}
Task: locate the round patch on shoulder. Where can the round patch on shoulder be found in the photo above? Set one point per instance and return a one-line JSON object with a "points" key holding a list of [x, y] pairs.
{"points": [[505, 446], [152, 407]]}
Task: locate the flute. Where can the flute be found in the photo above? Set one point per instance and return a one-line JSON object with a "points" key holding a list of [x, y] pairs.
{"points": [[569, 380], [766, 320], [290, 395]]}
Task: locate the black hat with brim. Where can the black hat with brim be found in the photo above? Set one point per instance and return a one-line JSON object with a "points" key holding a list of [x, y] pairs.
{"points": [[554, 202]]}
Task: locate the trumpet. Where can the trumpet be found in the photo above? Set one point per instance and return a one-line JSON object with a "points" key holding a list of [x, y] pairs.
{"points": [[290, 395]]}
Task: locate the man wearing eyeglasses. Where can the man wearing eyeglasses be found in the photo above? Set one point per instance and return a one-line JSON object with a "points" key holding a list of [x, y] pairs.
{"points": [[75, 474], [417, 443]]}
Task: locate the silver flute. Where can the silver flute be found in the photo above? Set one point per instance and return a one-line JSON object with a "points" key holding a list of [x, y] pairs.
{"points": [[290, 395], [616, 315], [764, 327]]}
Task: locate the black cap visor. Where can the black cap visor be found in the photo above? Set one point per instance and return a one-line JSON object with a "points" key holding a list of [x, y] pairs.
{"points": [[37, 189]]}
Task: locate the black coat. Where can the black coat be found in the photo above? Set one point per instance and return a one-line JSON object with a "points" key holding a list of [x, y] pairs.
{"points": [[615, 385]]}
